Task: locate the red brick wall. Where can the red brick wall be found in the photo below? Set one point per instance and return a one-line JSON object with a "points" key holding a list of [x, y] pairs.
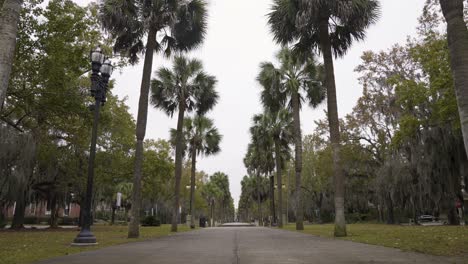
{"points": [[39, 209]]}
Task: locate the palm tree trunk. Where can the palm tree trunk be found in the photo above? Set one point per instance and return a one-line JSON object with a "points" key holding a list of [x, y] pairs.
{"points": [[192, 188], [259, 203], [279, 182], [53, 212], [340, 222], [298, 160], [319, 207], [223, 215], [212, 213], [114, 207], [9, 20], [18, 217], [178, 163], [134, 225], [272, 199], [457, 34], [2, 216], [390, 212]]}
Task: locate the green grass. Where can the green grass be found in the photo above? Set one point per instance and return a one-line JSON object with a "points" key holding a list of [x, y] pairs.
{"points": [[29, 246], [435, 240]]}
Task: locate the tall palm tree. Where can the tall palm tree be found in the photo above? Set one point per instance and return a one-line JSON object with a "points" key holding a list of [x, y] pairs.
{"points": [[272, 133], [9, 20], [263, 141], [202, 138], [167, 25], [457, 34], [281, 130], [185, 88], [297, 79], [331, 27], [253, 161], [245, 199], [259, 159]]}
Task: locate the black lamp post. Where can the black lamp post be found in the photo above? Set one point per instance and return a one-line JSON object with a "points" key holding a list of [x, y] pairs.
{"points": [[191, 215], [212, 201], [101, 72]]}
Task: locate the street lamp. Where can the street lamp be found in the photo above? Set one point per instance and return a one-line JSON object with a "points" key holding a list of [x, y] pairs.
{"points": [[212, 201], [190, 217], [101, 72], [281, 215]]}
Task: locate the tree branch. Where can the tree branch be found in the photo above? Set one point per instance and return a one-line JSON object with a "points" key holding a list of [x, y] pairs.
{"points": [[10, 123]]}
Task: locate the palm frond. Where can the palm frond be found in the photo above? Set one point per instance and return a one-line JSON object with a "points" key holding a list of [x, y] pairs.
{"points": [[201, 135], [297, 73], [164, 92], [282, 20], [297, 22], [191, 26], [205, 95], [181, 25], [186, 83], [121, 19]]}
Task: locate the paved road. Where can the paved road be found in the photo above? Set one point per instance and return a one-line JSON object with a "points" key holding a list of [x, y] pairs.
{"points": [[234, 245]]}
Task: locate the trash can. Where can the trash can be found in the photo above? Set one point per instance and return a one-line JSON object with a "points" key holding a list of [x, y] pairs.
{"points": [[202, 222]]}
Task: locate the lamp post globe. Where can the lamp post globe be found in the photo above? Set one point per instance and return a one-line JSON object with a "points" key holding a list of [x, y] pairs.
{"points": [[106, 71], [106, 68], [97, 58]]}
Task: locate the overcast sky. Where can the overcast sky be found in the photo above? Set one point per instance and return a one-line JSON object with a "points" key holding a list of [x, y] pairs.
{"points": [[238, 40]]}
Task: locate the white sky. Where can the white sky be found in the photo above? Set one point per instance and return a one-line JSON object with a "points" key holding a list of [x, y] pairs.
{"points": [[238, 40]]}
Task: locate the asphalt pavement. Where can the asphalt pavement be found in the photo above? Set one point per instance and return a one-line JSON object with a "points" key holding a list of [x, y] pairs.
{"points": [[253, 245]]}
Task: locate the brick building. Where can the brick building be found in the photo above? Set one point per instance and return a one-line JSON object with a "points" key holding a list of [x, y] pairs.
{"points": [[41, 209]]}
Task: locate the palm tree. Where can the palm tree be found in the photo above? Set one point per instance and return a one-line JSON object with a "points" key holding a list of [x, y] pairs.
{"points": [[281, 130], [168, 25], [329, 26], [221, 180], [203, 138], [248, 191], [264, 144], [9, 20], [271, 134], [457, 34], [187, 88], [296, 80], [259, 158], [252, 161], [254, 188]]}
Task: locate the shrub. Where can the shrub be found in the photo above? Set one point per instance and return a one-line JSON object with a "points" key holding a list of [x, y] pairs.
{"points": [[102, 215], [30, 220], [151, 221], [356, 217], [3, 223], [68, 221], [33, 220], [3, 220], [327, 216]]}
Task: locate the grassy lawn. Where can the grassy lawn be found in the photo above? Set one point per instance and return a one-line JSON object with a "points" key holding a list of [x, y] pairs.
{"points": [[435, 240], [30, 246]]}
